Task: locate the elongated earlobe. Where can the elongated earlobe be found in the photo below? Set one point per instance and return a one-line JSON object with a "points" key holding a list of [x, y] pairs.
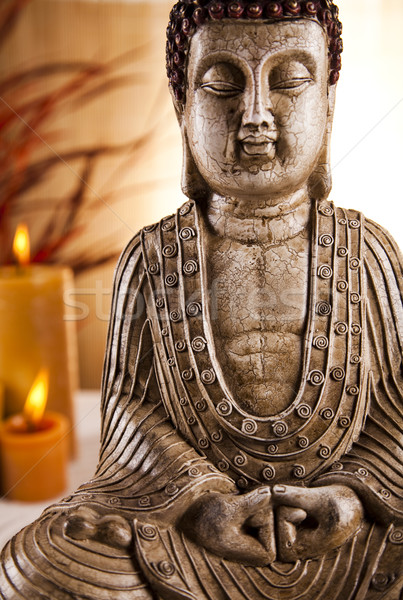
{"points": [[320, 181], [193, 184]]}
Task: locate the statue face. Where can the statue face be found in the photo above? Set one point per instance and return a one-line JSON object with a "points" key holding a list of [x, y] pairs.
{"points": [[256, 106]]}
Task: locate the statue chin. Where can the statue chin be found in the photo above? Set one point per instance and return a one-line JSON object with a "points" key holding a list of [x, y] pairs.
{"points": [[252, 407]]}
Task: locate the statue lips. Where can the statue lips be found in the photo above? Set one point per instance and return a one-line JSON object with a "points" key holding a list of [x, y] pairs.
{"points": [[261, 145]]}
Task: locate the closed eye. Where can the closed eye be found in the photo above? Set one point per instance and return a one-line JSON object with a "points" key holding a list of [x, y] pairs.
{"points": [[221, 88], [291, 84]]}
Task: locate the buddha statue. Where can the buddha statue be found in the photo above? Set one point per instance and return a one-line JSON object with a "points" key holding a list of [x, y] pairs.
{"points": [[252, 427]]}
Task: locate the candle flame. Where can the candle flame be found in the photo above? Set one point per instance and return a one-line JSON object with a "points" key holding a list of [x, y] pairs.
{"points": [[34, 406], [21, 245]]}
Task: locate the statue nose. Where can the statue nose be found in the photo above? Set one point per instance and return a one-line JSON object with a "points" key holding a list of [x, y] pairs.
{"points": [[258, 110]]}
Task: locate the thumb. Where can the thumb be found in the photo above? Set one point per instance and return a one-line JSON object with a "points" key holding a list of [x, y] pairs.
{"points": [[297, 497], [251, 503]]}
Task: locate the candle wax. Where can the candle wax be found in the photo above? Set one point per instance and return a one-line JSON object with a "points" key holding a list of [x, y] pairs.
{"points": [[34, 463], [34, 335]]}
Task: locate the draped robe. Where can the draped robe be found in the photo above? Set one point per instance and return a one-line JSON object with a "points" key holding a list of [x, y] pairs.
{"points": [[171, 430]]}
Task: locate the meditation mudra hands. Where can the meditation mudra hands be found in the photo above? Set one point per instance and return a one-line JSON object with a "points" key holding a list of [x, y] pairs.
{"points": [[285, 522]]}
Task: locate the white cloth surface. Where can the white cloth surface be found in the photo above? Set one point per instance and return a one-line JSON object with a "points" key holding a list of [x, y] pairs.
{"points": [[15, 515]]}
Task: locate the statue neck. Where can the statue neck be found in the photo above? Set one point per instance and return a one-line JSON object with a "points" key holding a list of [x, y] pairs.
{"points": [[259, 220]]}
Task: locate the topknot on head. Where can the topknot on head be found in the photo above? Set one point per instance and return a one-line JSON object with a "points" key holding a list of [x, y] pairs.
{"points": [[187, 15]]}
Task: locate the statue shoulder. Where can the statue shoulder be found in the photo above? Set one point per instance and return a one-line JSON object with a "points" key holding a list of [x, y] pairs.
{"points": [[379, 246], [131, 259], [138, 252], [376, 234], [383, 255]]}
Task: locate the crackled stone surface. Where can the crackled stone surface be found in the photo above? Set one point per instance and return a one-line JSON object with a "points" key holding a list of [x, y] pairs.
{"points": [[257, 105], [259, 292]]}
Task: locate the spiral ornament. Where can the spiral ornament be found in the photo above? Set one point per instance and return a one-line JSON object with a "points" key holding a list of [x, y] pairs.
{"points": [[324, 451], [354, 224], [170, 250], [321, 342], [240, 459], [144, 501], [361, 472], [194, 472], [154, 269], [342, 251], [166, 568], [224, 408], [147, 532], [180, 346], [188, 374], [150, 228], [298, 471], [217, 436], [326, 240], [380, 581], [185, 209], [249, 426], [171, 280], [268, 473], [355, 263], [326, 210], [323, 308], [304, 411], [171, 489], [223, 465], [280, 428], [193, 309], [198, 344], [341, 328], [190, 267], [242, 483], [175, 316], [187, 233], [316, 377], [200, 405], [325, 271], [168, 226], [344, 422], [396, 536], [208, 376], [338, 374], [342, 286]]}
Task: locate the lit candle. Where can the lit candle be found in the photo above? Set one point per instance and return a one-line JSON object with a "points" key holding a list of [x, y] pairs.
{"points": [[34, 449], [33, 331]]}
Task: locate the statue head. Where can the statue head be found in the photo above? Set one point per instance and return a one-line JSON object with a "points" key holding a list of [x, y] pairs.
{"points": [[253, 86]]}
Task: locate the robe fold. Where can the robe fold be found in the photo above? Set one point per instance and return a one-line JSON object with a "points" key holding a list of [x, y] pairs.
{"points": [[172, 431]]}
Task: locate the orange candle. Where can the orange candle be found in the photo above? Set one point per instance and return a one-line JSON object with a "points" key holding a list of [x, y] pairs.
{"points": [[33, 331], [34, 449], [1, 401]]}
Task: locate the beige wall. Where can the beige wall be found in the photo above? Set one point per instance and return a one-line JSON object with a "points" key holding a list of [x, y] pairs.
{"points": [[367, 150], [137, 186], [127, 188]]}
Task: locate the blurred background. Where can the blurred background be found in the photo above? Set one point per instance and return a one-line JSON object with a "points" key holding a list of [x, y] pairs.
{"points": [[90, 150]]}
